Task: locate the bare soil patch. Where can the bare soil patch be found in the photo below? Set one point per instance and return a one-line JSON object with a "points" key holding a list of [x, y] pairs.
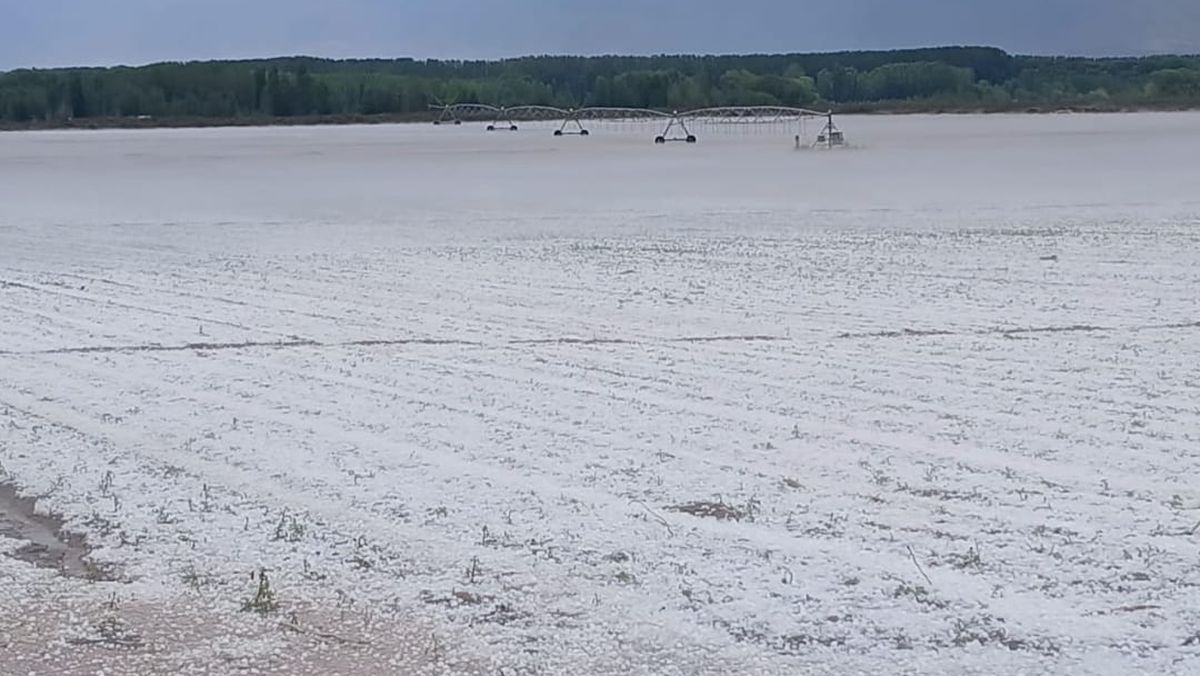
{"points": [[49, 544]]}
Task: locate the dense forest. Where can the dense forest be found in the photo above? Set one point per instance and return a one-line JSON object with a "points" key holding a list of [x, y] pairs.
{"points": [[938, 79]]}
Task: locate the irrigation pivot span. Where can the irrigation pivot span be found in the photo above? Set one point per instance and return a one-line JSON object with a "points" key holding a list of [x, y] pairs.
{"points": [[676, 123]]}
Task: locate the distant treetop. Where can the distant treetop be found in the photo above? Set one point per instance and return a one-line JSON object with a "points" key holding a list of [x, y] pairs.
{"points": [[935, 78]]}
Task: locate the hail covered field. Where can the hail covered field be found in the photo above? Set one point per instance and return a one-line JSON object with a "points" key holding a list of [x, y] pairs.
{"points": [[515, 404]]}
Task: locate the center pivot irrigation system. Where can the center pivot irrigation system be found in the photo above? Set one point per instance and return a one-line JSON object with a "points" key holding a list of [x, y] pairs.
{"points": [[678, 125]]}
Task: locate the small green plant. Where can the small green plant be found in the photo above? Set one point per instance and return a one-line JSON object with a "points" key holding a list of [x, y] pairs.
{"points": [[206, 501], [720, 510], [288, 529], [264, 602], [919, 594], [196, 579], [312, 574], [971, 559], [162, 516]]}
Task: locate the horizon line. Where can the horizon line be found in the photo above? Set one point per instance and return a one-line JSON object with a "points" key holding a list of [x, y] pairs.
{"points": [[631, 55]]}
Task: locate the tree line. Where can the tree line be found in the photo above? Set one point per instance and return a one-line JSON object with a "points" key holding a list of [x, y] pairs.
{"points": [[966, 78]]}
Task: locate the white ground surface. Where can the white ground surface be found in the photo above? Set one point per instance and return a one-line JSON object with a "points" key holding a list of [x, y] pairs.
{"points": [[447, 387]]}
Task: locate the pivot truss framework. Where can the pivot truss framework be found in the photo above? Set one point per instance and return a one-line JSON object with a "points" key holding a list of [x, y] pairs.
{"points": [[677, 125]]}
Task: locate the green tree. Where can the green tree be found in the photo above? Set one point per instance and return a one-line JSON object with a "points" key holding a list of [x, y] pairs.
{"points": [[967, 76]]}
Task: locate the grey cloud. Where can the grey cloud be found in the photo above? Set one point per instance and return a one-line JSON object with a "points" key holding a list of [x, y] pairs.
{"points": [[79, 32]]}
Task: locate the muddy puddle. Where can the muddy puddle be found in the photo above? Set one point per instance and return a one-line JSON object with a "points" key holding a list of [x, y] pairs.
{"points": [[48, 545]]}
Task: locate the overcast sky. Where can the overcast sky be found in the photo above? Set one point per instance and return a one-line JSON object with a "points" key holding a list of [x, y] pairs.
{"points": [[105, 32]]}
